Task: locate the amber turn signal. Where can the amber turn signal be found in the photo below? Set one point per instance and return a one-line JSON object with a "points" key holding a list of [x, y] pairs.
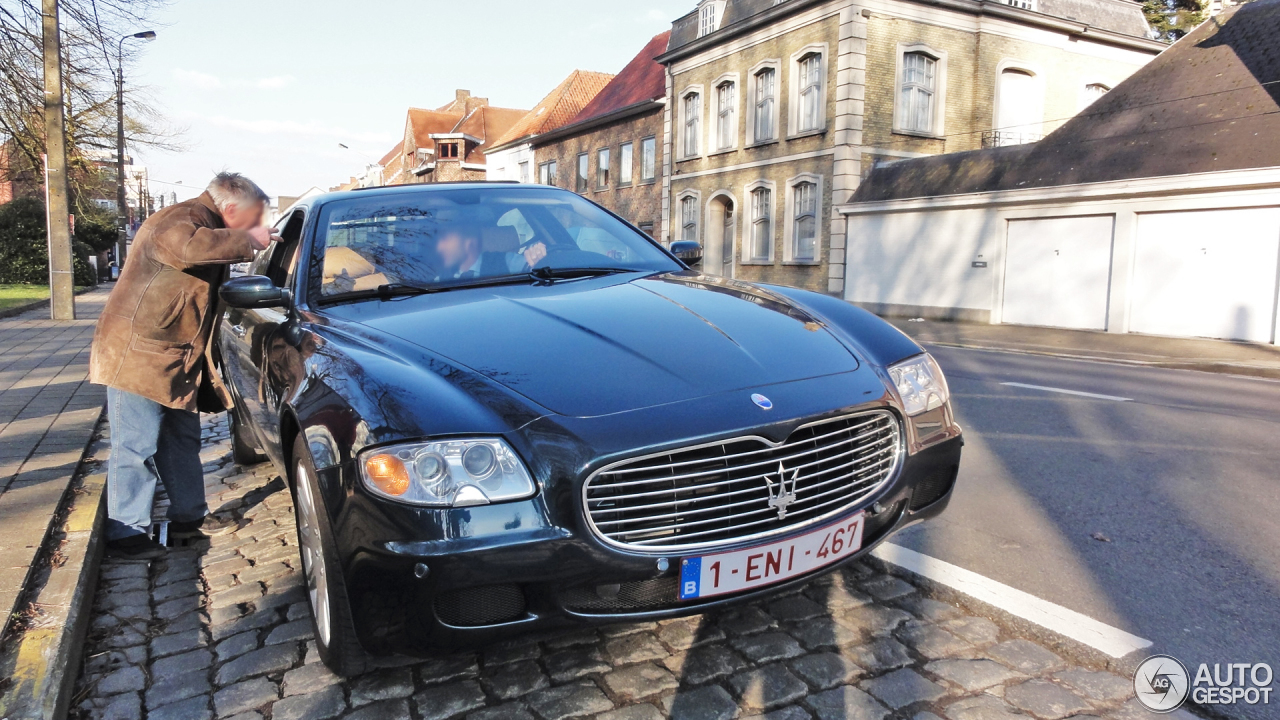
{"points": [[388, 473]]}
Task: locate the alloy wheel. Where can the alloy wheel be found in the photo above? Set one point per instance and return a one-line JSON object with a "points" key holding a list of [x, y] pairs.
{"points": [[312, 551]]}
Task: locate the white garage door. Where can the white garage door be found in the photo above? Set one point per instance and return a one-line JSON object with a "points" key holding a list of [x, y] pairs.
{"points": [[1209, 273], [1057, 272]]}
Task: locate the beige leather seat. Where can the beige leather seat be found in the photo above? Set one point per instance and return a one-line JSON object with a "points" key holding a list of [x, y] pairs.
{"points": [[343, 261]]}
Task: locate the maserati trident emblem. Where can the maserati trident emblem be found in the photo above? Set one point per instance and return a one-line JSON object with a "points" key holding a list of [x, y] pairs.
{"points": [[764, 402], [783, 498]]}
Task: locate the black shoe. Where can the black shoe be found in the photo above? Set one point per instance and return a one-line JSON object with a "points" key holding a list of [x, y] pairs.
{"points": [[210, 526], [135, 547]]}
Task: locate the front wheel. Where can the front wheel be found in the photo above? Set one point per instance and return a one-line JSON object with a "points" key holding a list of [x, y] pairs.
{"points": [[326, 592]]}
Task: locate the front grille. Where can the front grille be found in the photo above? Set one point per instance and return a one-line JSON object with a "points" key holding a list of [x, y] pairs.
{"points": [[718, 493], [473, 607]]}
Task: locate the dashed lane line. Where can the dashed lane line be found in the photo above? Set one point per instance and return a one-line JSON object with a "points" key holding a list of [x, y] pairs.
{"points": [[1064, 391]]}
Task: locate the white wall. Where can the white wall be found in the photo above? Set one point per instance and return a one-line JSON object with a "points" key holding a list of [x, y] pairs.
{"points": [[918, 256], [505, 164]]}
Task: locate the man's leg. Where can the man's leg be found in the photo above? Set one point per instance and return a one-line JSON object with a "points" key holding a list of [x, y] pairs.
{"points": [[131, 482], [178, 462]]}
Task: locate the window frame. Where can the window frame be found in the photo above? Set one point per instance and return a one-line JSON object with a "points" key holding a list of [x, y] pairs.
{"points": [[687, 118], [754, 102], [1088, 98], [649, 165], [790, 239], [582, 173], [939, 114], [796, 92], [604, 165], [626, 163], [750, 222], [548, 173], [522, 170], [726, 118], [684, 201]]}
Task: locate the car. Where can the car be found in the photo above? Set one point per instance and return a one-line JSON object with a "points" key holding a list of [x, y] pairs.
{"points": [[501, 408]]}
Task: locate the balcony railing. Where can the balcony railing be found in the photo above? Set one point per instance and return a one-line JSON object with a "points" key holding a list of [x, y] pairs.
{"points": [[1001, 138]]}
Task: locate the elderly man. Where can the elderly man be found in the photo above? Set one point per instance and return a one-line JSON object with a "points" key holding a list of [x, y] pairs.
{"points": [[150, 349]]}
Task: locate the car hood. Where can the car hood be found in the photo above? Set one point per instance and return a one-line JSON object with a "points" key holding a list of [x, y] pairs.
{"points": [[609, 345]]}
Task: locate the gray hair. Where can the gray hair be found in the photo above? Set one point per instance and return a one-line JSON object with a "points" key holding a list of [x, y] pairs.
{"points": [[228, 188]]}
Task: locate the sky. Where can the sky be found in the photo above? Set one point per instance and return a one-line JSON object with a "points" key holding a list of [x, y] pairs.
{"points": [[270, 88]]}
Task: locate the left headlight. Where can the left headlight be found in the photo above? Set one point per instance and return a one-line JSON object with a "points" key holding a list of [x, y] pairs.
{"points": [[920, 384], [447, 473]]}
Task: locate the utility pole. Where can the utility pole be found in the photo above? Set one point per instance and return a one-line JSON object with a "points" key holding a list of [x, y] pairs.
{"points": [[122, 207], [62, 302]]}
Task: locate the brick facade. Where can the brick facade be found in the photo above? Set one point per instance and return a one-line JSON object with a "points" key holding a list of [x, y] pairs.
{"points": [[862, 71], [640, 201]]}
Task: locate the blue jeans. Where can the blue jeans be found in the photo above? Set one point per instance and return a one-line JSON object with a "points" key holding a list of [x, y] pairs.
{"points": [[149, 440]]}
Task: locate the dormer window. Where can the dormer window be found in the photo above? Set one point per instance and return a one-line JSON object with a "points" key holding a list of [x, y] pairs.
{"points": [[709, 16], [448, 150]]}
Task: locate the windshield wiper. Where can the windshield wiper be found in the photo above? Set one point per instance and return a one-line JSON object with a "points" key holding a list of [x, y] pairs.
{"points": [[549, 275], [382, 292]]}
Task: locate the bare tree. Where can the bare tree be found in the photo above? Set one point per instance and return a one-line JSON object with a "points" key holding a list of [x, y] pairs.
{"points": [[91, 30]]}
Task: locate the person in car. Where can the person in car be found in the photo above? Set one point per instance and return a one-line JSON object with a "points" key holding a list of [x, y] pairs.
{"points": [[150, 350], [463, 255]]}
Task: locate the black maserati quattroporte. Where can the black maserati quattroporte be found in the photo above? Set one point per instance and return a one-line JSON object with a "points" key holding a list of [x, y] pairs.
{"points": [[500, 407]]}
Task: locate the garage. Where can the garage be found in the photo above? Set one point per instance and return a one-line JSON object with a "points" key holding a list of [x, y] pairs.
{"points": [[1209, 273], [1057, 272]]}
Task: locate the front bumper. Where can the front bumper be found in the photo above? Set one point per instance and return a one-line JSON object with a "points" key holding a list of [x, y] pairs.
{"points": [[492, 571]]}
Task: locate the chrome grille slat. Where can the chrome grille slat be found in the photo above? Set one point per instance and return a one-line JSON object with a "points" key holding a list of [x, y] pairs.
{"points": [[770, 461], [713, 494]]}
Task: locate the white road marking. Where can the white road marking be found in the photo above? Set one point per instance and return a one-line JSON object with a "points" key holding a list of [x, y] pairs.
{"points": [[1102, 637], [1096, 396]]}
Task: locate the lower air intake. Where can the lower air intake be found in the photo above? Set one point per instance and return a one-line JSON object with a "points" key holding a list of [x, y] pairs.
{"points": [[474, 607], [934, 485]]}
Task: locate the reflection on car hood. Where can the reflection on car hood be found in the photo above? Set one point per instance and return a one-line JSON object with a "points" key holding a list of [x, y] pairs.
{"points": [[602, 346]]}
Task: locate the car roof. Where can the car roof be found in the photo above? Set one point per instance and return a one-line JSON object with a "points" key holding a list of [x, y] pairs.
{"points": [[416, 188]]}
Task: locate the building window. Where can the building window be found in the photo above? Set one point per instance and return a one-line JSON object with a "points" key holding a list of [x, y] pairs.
{"points": [[919, 83], [648, 158], [1019, 109], [1092, 92], [584, 170], [602, 168], [449, 150], [809, 82], [707, 19], [766, 105], [547, 173], [692, 123], [761, 223], [524, 171], [805, 223], [626, 161], [726, 105], [647, 228], [689, 219]]}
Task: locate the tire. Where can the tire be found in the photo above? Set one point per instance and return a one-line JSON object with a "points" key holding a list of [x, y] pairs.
{"points": [[244, 451], [331, 621]]}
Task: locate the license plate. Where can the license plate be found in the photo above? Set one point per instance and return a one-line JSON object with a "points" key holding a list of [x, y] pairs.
{"points": [[763, 565]]}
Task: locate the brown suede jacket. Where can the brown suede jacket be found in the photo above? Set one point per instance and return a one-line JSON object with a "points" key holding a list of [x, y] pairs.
{"points": [[153, 337]]}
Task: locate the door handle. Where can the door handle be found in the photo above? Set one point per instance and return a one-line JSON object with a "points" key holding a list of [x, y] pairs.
{"points": [[238, 330]]}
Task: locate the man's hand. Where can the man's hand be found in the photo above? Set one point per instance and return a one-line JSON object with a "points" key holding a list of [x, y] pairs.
{"points": [[535, 253], [262, 237]]}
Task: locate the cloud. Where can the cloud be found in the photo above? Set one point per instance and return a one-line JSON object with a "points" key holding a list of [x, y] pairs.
{"points": [[293, 127], [205, 81]]}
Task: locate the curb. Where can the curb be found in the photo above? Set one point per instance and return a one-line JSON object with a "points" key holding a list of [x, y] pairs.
{"points": [[45, 662], [1215, 368]]}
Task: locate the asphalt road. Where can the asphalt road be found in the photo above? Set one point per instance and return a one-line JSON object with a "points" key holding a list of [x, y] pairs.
{"points": [[1183, 482]]}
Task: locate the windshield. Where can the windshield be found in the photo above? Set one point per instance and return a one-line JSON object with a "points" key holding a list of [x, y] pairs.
{"points": [[452, 237]]}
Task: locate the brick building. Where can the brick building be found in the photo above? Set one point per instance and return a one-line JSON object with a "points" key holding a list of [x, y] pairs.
{"points": [[612, 151], [511, 157], [776, 110], [443, 145]]}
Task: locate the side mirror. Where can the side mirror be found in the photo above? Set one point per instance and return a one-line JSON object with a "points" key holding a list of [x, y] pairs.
{"points": [[688, 251], [253, 291]]}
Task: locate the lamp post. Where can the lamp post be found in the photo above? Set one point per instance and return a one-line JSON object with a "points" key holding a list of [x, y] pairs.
{"points": [[121, 200]]}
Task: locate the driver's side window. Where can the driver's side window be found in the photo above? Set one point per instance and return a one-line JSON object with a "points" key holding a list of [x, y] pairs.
{"points": [[282, 258]]}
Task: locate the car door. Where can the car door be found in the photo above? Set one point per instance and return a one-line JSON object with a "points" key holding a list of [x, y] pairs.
{"points": [[253, 333]]}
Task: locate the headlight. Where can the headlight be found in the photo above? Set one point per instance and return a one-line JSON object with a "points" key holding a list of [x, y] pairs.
{"points": [[920, 384], [447, 473]]}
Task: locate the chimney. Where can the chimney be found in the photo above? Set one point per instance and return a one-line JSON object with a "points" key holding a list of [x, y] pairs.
{"points": [[461, 95]]}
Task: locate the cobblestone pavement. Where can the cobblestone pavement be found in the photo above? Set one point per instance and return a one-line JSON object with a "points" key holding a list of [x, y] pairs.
{"points": [[225, 632]]}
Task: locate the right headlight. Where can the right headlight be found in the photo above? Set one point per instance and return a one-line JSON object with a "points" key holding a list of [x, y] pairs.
{"points": [[447, 473], [920, 384]]}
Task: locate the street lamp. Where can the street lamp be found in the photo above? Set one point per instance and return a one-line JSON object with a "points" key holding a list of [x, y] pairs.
{"points": [[121, 200]]}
